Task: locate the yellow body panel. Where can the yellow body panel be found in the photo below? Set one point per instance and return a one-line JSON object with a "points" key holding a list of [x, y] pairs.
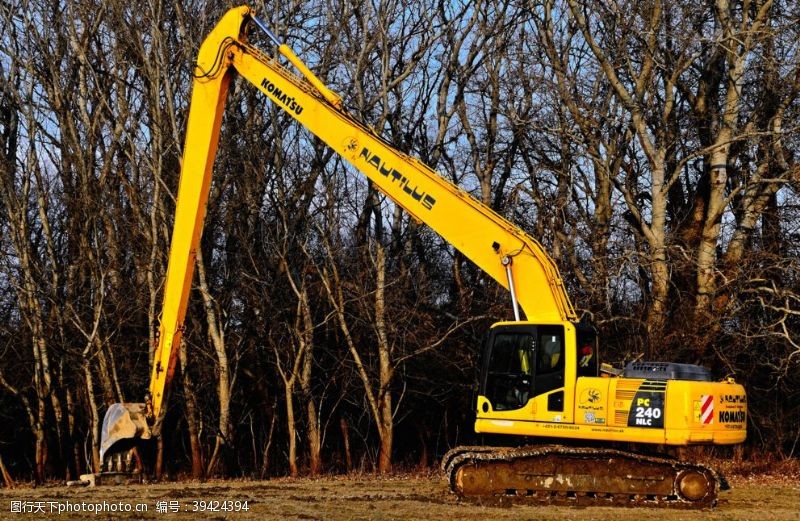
{"points": [[668, 412]]}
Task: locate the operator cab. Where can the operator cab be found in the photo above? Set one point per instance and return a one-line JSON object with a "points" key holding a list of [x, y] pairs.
{"points": [[524, 360]]}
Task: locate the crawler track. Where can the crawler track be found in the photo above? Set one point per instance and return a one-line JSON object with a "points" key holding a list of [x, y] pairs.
{"points": [[554, 474]]}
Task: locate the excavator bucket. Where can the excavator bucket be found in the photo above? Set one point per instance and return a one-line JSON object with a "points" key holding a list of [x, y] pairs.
{"points": [[123, 421]]}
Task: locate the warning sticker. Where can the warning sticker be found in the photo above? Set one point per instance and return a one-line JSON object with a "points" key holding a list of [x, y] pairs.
{"points": [[706, 411]]}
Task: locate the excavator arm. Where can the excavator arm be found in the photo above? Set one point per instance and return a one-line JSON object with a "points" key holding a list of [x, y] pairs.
{"points": [[514, 259]]}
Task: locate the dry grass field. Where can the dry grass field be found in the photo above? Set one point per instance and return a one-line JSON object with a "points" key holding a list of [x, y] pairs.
{"points": [[755, 496]]}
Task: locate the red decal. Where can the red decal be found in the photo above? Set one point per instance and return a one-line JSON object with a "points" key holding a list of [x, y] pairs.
{"points": [[707, 409]]}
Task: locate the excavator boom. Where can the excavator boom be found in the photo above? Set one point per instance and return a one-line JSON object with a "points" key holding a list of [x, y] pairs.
{"points": [[502, 250]]}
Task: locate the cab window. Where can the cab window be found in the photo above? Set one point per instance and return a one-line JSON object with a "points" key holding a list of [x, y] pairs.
{"points": [[551, 354], [550, 359], [508, 380]]}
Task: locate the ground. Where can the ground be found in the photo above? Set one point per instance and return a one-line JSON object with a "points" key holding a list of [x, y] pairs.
{"points": [[361, 497]]}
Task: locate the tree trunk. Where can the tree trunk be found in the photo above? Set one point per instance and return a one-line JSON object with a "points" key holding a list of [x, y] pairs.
{"points": [[301, 371], [314, 438], [94, 420], [385, 419], [159, 470], [6, 476], [40, 445], [191, 415], [379, 398], [313, 434], [268, 444], [217, 336], [291, 430], [386, 432], [348, 456], [75, 463]]}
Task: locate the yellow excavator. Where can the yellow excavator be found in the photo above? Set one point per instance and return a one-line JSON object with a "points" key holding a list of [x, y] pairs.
{"points": [[540, 377]]}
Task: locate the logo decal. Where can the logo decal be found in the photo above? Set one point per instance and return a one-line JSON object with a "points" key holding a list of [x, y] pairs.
{"points": [[397, 177], [590, 396], [288, 101]]}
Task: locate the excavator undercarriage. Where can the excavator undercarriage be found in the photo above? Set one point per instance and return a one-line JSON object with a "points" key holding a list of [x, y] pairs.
{"points": [[561, 475]]}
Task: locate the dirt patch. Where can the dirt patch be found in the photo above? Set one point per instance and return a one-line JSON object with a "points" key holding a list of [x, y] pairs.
{"points": [[397, 497]]}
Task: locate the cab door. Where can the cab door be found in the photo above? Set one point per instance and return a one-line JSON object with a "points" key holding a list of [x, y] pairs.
{"points": [[522, 362]]}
